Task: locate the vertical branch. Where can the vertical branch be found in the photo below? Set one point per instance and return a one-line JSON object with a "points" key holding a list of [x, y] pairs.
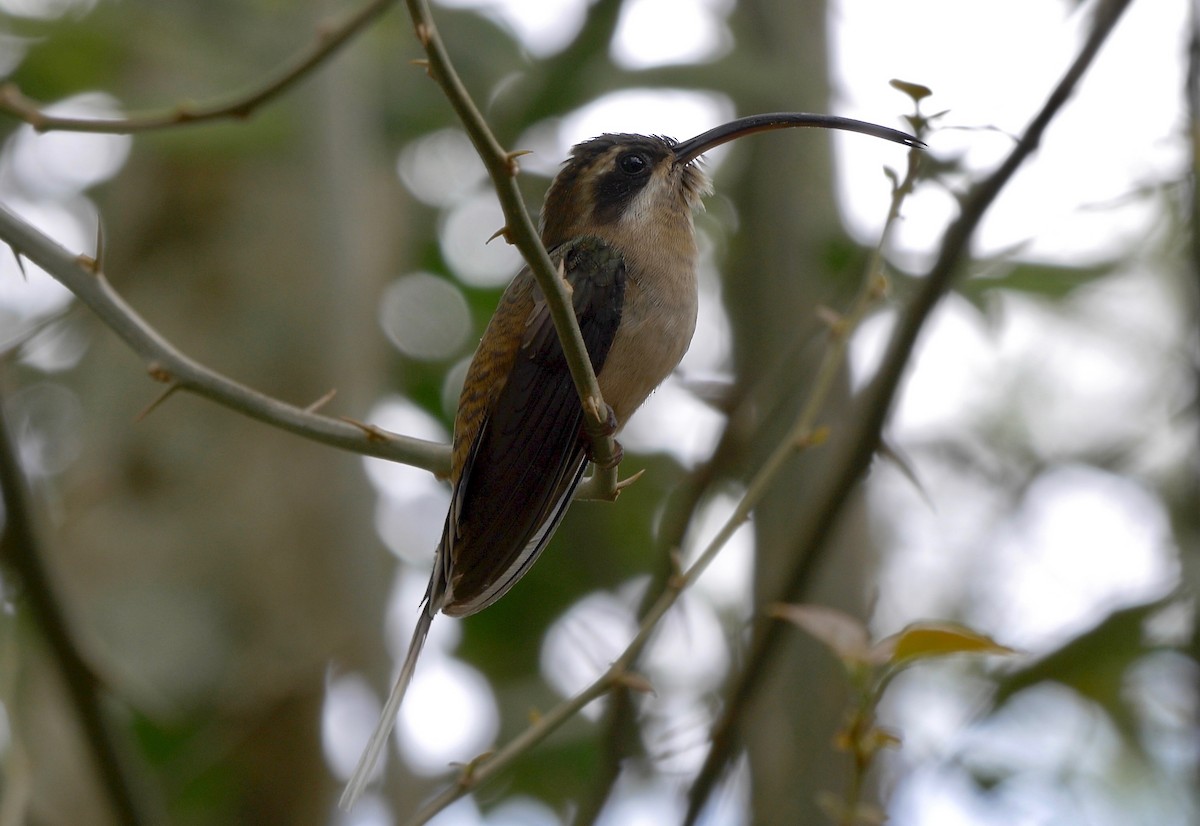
{"points": [[520, 231], [1191, 493], [20, 550]]}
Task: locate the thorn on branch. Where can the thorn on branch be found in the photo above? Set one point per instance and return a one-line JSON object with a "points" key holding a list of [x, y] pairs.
{"points": [[627, 482], [466, 775], [321, 402], [812, 438], [373, 433], [172, 386], [504, 232], [424, 34], [423, 63], [677, 580], [88, 263], [160, 373], [510, 160], [634, 682], [832, 319], [879, 287], [186, 111]]}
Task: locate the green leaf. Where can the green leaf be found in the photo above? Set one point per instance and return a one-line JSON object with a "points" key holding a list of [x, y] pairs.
{"points": [[1094, 663], [844, 635], [916, 91], [1035, 279], [926, 640]]}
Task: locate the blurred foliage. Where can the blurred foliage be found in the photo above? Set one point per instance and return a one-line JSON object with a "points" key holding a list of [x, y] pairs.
{"points": [[1095, 664], [1030, 278], [870, 667], [222, 233]]}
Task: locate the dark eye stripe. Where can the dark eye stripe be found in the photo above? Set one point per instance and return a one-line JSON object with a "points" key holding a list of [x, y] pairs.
{"points": [[620, 183]]}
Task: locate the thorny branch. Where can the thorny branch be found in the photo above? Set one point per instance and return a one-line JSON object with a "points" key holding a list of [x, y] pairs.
{"points": [[520, 231], [330, 38], [167, 364]]}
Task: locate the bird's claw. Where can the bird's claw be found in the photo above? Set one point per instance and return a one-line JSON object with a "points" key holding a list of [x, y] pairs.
{"points": [[605, 429], [617, 456]]}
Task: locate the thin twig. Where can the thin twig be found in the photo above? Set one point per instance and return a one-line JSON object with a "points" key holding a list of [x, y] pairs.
{"points": [[330, 38], [19, 549], [167, 364], [485, 768], [854, 447], [520, 231]]}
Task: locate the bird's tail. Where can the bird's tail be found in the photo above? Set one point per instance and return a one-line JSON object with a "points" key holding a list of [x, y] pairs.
{"points": [[366, 763]]}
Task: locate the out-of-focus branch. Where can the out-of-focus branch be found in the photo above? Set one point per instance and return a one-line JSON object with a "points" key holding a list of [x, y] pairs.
{"points": [[519, 230], [20, 552], [330, 37], [168, 365], [854, 446], [1191, 488]]}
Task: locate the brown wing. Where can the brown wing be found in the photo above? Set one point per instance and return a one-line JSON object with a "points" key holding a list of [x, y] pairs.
{"points": [[528, 452]]}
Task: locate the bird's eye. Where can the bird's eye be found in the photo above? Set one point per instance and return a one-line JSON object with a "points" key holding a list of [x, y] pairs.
{"points": [[633, 163]]}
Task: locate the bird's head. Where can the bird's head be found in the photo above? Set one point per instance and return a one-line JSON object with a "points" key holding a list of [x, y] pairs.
{"points": [[618, 181]]}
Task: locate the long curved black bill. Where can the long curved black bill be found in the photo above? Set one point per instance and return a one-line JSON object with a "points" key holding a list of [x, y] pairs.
{"points": [[687, 151]]}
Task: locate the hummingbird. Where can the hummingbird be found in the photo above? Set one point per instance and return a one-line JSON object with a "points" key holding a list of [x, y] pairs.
{"points": [[617, 222]]}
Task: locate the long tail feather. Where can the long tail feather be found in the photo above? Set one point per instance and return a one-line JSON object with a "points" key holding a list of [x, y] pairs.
{"points": [[370, 756]]}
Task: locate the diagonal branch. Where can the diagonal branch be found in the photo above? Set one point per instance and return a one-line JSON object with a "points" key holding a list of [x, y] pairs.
{"points": [[856, 445], [167, 364], [330, 38], [520, 231]]}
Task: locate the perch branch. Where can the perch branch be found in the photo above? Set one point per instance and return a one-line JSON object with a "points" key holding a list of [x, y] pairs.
{"points": [[520, 231]]}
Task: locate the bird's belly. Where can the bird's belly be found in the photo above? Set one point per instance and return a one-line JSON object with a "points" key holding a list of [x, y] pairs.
{"points": [[650, 342]]}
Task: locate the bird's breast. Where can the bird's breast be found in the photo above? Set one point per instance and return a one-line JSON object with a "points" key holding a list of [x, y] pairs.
{"points": [[658, 318]]}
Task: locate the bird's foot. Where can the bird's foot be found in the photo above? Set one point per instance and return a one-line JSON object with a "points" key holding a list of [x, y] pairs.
{"points": [[594, 433]]}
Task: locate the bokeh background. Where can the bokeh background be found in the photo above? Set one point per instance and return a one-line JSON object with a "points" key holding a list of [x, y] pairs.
{"points": [[243, 593]]}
